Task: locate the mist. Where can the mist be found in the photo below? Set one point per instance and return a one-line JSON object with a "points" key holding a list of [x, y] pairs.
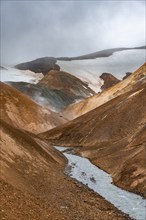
{"points": [[32, 29]]}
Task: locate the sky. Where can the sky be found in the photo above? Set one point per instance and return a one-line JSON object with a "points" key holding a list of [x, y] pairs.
{"points": [[37, 28]]}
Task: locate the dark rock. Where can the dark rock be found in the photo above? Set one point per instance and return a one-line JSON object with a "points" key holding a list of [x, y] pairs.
{"points": [[109, 80], [2, 68], [41, 65], [127, 74]]}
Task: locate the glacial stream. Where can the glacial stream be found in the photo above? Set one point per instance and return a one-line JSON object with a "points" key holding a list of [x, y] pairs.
{"points": [[96, 179]]}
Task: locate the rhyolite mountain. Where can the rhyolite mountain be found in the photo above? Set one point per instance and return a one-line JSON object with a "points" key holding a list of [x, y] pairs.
{"points": [[102, 53], [112, 135], [40, 65], [56, 90], [45, 64], [89, 67], [20, 111], [32, 172], [95, 101]]}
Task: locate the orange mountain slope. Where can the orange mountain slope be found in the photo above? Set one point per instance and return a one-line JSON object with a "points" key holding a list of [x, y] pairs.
{"points": [[112, 136], [19, 110], [95, 101]]}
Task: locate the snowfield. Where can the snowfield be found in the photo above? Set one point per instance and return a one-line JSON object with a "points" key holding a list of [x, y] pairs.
{"points": [[117, 64], [15, 75]]}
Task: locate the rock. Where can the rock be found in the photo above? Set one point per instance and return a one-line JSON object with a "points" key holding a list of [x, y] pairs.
{"points": [[127, 74], [109, 80], [41, 65]]}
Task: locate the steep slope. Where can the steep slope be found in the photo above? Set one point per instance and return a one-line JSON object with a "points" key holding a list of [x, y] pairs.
{"points": [[88, 104], [17, 109], [65, 82], [56, 90], [112, 137], [32, 182]]}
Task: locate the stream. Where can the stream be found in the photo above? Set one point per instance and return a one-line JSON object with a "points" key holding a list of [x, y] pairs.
{"points": [[98, 180]]}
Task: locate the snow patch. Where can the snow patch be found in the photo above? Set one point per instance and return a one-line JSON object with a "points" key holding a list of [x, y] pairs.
{"points": [[118, 64], [15, 75]]}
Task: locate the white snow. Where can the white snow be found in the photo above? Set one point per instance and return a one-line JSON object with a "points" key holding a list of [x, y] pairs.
{"points": [[15, 75], [117, 64], [101, 182]]}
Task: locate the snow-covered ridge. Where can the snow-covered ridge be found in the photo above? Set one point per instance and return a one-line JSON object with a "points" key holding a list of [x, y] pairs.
{"points": [[117, 64]]}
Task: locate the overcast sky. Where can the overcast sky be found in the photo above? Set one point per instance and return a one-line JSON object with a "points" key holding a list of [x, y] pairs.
{"points": [[32, 29]]}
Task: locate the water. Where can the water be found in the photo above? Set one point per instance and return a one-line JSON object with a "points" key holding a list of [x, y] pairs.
{"points": [[101, 182]]}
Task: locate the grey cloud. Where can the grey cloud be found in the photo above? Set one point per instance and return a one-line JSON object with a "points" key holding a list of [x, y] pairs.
{"points": [[31, 29]]}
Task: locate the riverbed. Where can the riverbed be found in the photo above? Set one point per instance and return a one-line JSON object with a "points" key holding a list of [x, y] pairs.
{"points": [[84, 171]]}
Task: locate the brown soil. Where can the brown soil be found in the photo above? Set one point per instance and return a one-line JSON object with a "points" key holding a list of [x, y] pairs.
{"points": [[34, 187], [66, 82], [19, 110]]}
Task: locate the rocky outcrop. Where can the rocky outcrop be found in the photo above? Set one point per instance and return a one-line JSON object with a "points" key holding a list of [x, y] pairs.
{"points": [[109, 80], [41, 65], [127, 74]]}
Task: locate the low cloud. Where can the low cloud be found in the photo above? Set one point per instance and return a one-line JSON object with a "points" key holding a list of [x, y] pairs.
{"points": [[32, 29]]}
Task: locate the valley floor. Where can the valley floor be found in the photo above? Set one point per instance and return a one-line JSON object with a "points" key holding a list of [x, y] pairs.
{"points": [[62, 199]]}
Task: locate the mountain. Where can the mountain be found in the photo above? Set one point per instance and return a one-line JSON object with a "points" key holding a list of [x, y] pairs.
{"points": [[102, 53], [66, 83], [56, 90], [19, 110], [119, 63], [40, 65], [32, 179], [112, 135], [99, 99], [89, 67]]}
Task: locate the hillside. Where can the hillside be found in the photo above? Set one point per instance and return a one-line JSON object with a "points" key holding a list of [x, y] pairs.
{"points": [[99, 99], [112, 135], [19, 110], [40, 65], [102, 53], [56, 90], [32, 182]]}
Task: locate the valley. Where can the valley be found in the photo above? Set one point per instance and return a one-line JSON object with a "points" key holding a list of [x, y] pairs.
{"points": [[88, 107]]}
